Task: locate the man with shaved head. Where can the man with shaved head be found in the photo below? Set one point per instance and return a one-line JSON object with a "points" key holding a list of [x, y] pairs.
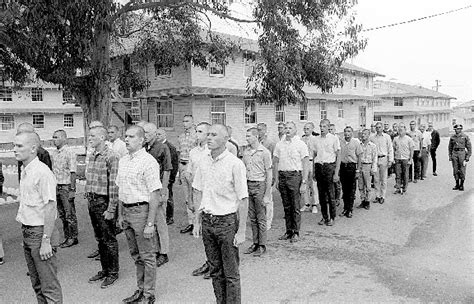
{"points": [[37, 214], [222, 200], [102, 194], [116, 143]]}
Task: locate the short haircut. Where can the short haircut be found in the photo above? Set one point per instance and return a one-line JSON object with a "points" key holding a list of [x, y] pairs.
{"points": [[188, 115], [140, 130], [332, 125], [101, 130], [412, 122], [402, 125], [114, 127], [365, 130], [25, 127], [32, 138], [349, 127], [150, 125], [95, 123], [253, 130], [61, 132], [310, 123], [141, 123], [281, 123], [379, 124], [325, 121], [223, 128], [262, 124], [203, 123], [291, 123]]}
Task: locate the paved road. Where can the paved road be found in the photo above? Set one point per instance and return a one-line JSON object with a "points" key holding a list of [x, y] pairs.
{"points": [[414, 248]]}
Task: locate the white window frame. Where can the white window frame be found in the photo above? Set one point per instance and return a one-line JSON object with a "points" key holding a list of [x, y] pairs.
{"points": [[217, 111], [6, 94], [340, 109], [354, 83], [164, 120], [162, 71], [248, 59], [377, 118], [398, 102], [323, 112], [7, 125], [68, 120], [250, 111], [303, 111], [135, 110], [36, 94], [67, 96], [280, 113], [40, 119], [398, 117], [216, 70]]}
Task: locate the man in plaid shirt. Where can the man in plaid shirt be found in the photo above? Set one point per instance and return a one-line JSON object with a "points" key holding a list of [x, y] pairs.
{"points": [[102, 194]]}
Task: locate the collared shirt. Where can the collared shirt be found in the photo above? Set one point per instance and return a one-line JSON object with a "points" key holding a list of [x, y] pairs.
{"points": [[119, 147], [257, 161], [369, 154], [325, 148], [222, 182], [186, 142], [101, 173], [417, 137], [174, 156], [402, 146], [350, 150], [232, 148], [37, 189], [43, 156], [384, 145], [195, 157], [460, 142], [138, 176], [268, 143], [64, 162], [290, 154], [307, 140], [162, 154], [426, 139]]}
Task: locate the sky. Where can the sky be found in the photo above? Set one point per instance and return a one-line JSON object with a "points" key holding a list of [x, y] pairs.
{"points": [[418, 53]]}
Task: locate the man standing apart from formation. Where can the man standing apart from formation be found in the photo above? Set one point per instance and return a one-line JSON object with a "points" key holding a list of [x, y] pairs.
{"points": [[460, 151], [326, 150], [138, 179], [102, 194], [116, 143], [290, 172], [222, 197], [64, 169], [309, 195], [270, 145], [258, 161], [37, 214], [425, 150], [403, 147], [435, 140], [351, 164], [415, 168], [369, 168], [383, 142]]}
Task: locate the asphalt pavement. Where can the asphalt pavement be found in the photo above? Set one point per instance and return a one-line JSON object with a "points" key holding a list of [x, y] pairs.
{"points": [[415, 248]]}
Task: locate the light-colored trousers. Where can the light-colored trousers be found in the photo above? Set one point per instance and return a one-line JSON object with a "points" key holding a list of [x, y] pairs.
{"points": [[310, 197], [365, 180], [380, 178], [187, 182]]}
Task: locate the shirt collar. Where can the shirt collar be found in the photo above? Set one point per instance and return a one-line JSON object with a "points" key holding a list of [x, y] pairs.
{"points": [[62, 148], [31, 166], [221, 156], [103, 152], [137, 153]]}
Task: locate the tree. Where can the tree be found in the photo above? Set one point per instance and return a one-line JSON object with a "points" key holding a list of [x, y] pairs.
{"points": [[68, 42]]}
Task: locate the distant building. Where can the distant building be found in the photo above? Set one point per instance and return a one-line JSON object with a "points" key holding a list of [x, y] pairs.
{"points": [[404, 103], [41, 104], [464, 114]]}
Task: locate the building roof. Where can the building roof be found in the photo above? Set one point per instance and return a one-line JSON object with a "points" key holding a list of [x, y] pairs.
{"points": [[45, 109], [394, 89], [353, 68], [409, 112], [465, 105]]}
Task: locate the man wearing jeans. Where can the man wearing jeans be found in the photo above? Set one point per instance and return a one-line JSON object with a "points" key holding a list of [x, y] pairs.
{"points": [[403, 147], [138, 179], [221, 190], [37, 214], [384, 161]]}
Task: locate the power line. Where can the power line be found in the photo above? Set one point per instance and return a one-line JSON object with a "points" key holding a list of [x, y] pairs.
{"points": [[416, 19]]}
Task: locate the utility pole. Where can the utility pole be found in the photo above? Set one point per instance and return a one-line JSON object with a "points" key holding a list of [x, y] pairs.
{"points": [[438, 84]]}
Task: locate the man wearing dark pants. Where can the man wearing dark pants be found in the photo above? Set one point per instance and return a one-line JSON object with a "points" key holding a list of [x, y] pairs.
{"points": [[37, 214], [138, 179], [102, 194], [435, 140], [403, 147], [425, 149], [350, 169], [221, 190], [326, 150], [415, 164], [258, 163], [290, 170]]}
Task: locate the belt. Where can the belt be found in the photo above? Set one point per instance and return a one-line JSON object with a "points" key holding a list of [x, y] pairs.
{"points": [[425, 148], [94, 196], [459, 149], [347, 164], [323, 164], [294, 171], [29, 226], [380, 156], [183, 162], [367, 163], [135, 204], [210, 215]]}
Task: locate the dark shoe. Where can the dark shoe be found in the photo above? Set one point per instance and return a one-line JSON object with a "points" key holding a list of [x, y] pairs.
{"points": [[2, 261], [135, 298], [411, 181], [461, 188], [343, 213], [149, 300], [349, 214], [161, 260], [69, 243], [260, 251], [201, 270], [170, 221], [109, 281], [93, 254], [294, 238], [187, 229], [285, 237], [415, 181], [435, 174], [63, 242], [330, 222], [251, 249], [99, 276], [207, 275], [367, 205], [362, 205], [381, 200], [322, 222]]}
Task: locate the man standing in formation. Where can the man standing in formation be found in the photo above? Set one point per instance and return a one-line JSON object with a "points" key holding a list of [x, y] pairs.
{"points": [[281, 130], [326, 150], [403, 147], [337, 185], [415, 168], [309, 195], [42, 154], [102, 194], [425, 148], [435, 140], [350, 169], [368, 169], [258, 161], [138, 179], [290, 171], [116, 143], [383, 142], [222, 197], [64, 169], [37, 214], [460, 151]]}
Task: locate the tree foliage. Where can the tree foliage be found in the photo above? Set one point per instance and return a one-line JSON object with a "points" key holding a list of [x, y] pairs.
{"points": [[71, 42]]}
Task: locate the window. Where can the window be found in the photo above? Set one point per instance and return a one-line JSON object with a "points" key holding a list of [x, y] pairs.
{"points": [[164, 113], [7, 122], [303, 110], [36, 94], [250, 111], [340, 109], [218, 111], [216, 70], [68, 120], [398, 102], [377, 118], [162, 70], [279, 113], [432, 103], [135, 110], [67, 96], [6, 94], [367, 82], [249, 63], [354, 83], [397, 117], [362, 116], [38, 121], [322, 110]]}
